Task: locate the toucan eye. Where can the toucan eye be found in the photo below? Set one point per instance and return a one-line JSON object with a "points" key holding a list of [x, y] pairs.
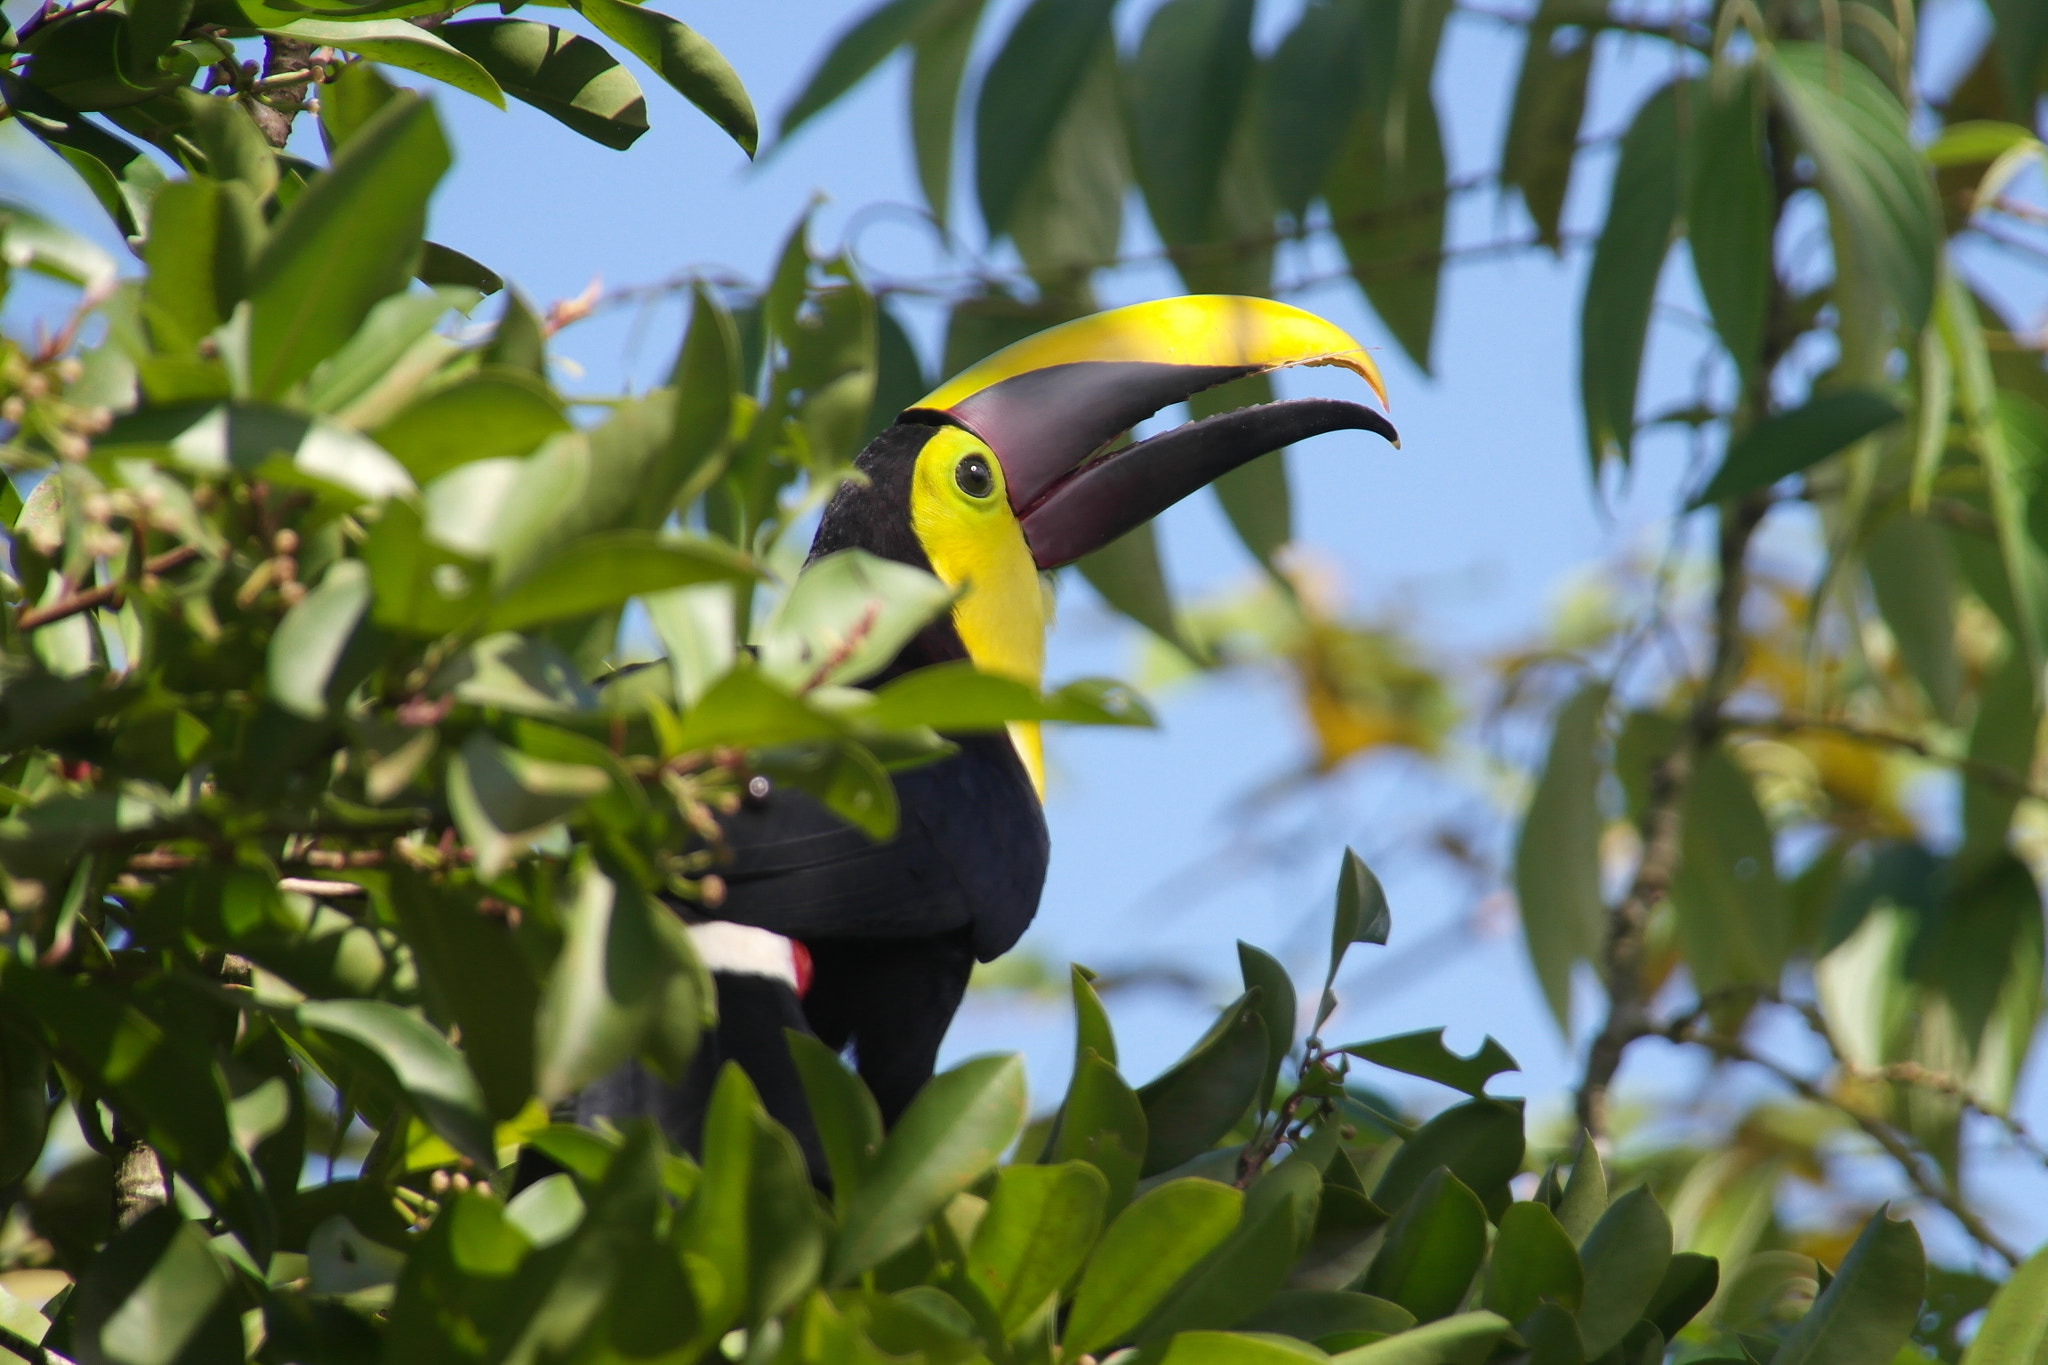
{"points": [[975, 478]]}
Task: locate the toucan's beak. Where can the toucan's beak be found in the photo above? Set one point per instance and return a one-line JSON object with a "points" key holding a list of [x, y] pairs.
{"points": [[1050, 405]]}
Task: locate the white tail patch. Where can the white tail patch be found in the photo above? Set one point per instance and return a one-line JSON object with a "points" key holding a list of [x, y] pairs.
{"points": [[743, 950]]}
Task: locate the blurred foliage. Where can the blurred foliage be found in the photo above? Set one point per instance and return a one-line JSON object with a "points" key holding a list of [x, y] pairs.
{"points": [[338, 836]]}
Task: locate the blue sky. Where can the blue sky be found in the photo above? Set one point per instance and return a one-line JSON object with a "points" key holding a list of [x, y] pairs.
{"points": [[1466, 534]]}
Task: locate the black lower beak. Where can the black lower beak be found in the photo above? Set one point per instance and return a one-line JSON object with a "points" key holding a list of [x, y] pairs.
{"points": [[1098, 502]]}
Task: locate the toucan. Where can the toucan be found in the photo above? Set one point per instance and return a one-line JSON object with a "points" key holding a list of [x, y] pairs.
{"points": [[1008, 470]]}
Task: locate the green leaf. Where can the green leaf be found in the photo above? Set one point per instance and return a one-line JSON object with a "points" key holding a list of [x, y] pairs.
{"points": [[1230, 1348], [153, 25], [938, 65], [394, 42], [1387, 192], [445, 265], [117, 172], [1730, 211], [1461, 1340], [848, 1122], [1158, 1239], [2021, 45], [603, 570], [1041, 1224], [1869, 1310], [343, 245], [684, 59], [206, 236], [845, 618], [1324, 1315], [457, 1286], [1309, 98], [1614, 321], [2015, 1328], [503, 799], [862, 47], [1786, 443], [29, 241], [1192, 1104], [1248, 1268], [1533, 1259], [80, 61], [1024, 94], [496, 412], [953, 1132], [1092, 1031], [1557, 854], [1432, 1249], [755, 1218], [423, 1064], [1913, 575], [1423, 1054], [1186, 83], [1625, 1256], [1102, 1122], [24, 1101], [1361, 916], [472, 964], [309, 642], [1732, 915], [518, 342], [397, 335], [157, 1295], [624, 983], [1879, 194], [956, 697], [1068, 218], [1585, 1194], [562, 74], [1276, 1010], [1543, 124], [1688, 1287], [1480, 1142]]}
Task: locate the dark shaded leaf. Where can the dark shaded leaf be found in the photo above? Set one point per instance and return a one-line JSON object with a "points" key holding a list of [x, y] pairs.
{"points": [[1789, 442], [953, 1132], [1614, 321], [1432, 1249], [1361, 916], [1877, 186], [1868, 1311], [1461, 1340], [1732, 914], [1479, 1141], [1193, 1103], [1310, 97], [445, 265], [848, 1122], [1557, 854], [1543, 124], [1424, 1054], [1730, 210], [938, 65], [495, 412], [1533, 1259], [1625, 1256], [1102, 1122], [1914, 576], [564, 75], [1186, 83], [1276, 1011], [603, 570], [684, 59], [1689, 1284], [1025, 93]]}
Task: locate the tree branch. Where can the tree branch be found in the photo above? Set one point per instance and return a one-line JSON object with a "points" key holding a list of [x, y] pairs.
{"points": [[1976, 769], [106, 595]]}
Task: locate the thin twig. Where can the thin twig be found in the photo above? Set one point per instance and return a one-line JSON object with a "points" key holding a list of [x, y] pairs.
{"points": [[30, 1351], [107, 595], [1913, 1163]]}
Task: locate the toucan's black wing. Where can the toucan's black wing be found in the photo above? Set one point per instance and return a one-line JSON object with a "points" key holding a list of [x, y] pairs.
{"points": [[969, 854]]}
